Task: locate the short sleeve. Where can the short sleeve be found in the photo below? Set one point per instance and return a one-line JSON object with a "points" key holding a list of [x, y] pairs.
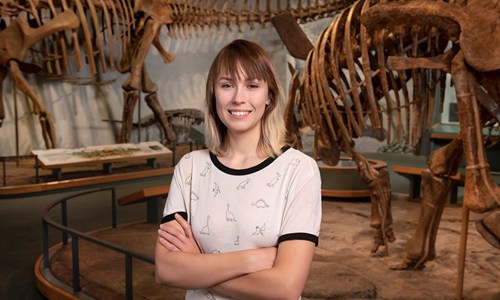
{"points": [[177, 200], [302, 215]]}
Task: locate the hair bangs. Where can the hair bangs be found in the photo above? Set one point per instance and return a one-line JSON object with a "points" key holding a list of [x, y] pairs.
{"points": [[249, 64]]}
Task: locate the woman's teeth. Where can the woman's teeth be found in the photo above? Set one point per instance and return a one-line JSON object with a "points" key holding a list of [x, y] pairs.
{"points": [[239, 113]]}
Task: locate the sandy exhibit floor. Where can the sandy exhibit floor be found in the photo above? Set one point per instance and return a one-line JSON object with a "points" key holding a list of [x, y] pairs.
{"points": [[343, 267]]}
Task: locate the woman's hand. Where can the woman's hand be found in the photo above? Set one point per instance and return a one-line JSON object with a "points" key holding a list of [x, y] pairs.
{"points": [[178, 236], [263, 258]]}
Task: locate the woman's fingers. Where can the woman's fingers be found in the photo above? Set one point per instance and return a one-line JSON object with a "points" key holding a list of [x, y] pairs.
{"points": [[172, 235], [165, 243], [190, 244], [184, 224], [178, 234]]}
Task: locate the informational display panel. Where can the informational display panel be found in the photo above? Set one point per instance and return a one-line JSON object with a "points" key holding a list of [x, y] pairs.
{"points": [[62, 158]]}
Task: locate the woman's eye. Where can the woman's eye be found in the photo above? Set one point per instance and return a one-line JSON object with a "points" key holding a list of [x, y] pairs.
{"points": [[253, 85], [226, 85]]}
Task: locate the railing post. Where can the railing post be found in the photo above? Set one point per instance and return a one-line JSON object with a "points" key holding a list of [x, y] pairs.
{"points": [[129, 292], [174, 146], [36, 168], [76, 263], [64, 221], [45, 244], [4, 172], [113, 207]]}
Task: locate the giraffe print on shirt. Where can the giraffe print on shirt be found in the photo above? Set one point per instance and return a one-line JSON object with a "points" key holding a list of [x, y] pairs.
{"points": [[206, 230], [229, 215], [205, 170]]}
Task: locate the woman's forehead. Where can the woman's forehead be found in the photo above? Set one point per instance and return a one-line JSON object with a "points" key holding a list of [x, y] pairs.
{"points": [[238, 72]]}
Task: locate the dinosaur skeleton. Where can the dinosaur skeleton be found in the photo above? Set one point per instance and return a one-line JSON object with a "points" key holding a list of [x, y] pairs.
{"points": [[182, 121], [123, 30], [474, 64], [401, 51]]}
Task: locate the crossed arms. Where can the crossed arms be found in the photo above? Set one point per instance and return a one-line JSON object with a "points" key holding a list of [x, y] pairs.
{"points": [[264, 273]]}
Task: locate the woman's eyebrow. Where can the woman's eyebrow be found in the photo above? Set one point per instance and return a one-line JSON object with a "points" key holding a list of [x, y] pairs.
{"points": [[254, 80], [244, 79], [225, 78]]}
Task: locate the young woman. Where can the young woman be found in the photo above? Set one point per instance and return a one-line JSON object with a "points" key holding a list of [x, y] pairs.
{"points": [[242, 217]]}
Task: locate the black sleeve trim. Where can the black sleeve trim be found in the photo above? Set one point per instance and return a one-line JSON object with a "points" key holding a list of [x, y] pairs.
{"points": [[299, 236], [171, 217]]}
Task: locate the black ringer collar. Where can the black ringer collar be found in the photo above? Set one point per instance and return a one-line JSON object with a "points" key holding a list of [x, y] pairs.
{"points": [[246, 171]]}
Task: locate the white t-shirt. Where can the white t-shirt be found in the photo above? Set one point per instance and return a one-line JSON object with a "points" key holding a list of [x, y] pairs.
{"points": [[238, 209]]}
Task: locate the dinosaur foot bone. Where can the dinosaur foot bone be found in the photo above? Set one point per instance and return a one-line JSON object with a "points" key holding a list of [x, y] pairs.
{"points": [[408, 265], [481, 194], [421, 247], [489, 228], [378, 240]]}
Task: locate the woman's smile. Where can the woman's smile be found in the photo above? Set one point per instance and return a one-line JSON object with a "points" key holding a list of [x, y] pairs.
{"points": [[239, 113]]}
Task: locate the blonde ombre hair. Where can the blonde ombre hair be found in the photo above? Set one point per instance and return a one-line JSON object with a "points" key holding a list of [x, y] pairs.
{"points": [[256, 64]]}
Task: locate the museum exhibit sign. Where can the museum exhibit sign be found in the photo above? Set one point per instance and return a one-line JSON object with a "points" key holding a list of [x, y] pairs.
{"points": [[105, 155]]}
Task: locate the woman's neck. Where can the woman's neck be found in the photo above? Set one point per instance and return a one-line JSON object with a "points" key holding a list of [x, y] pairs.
{"points": [[241, 153]]}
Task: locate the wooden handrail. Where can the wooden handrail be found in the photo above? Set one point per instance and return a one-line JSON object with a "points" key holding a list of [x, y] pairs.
{"points": [[19, 190], [345, 193], [144, 194], [418, 171]]}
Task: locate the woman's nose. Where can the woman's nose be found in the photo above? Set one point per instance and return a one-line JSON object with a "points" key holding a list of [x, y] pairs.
{"points": [[239, 95]]}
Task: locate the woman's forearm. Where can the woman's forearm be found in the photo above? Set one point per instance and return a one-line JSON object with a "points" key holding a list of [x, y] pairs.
{"points": [[194, 270], [258, 285], [285, 280]]}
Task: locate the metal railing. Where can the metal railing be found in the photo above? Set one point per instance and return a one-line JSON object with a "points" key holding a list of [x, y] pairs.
{"points": [[75, 236]]}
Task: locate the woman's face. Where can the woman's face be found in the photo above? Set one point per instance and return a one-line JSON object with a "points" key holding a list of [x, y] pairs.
{"points": [[241, 103]]}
